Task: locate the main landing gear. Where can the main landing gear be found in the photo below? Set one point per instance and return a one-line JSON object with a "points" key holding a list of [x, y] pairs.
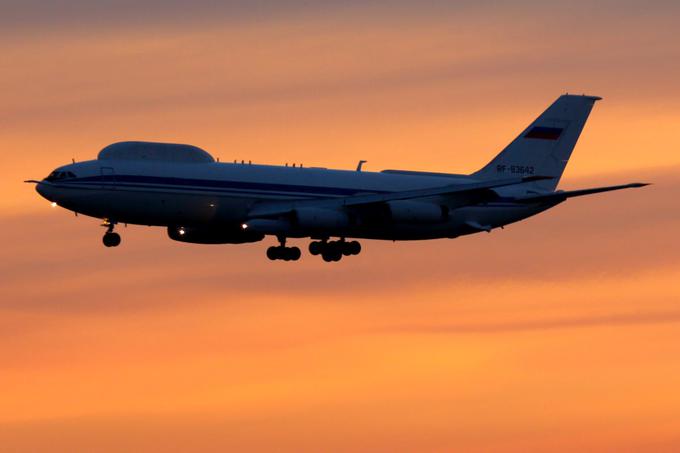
{"points": [[329, 251], [110, 238], [334, 250], [283, 253]]}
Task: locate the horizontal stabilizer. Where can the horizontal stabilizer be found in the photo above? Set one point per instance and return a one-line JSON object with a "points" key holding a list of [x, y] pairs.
{"points": [[562, 195]]}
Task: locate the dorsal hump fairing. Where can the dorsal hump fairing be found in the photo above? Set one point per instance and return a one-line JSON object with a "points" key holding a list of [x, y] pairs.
{"points": [[151, 151]]}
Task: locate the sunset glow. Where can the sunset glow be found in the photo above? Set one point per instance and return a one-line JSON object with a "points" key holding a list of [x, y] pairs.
{"points": [[555, 334]]}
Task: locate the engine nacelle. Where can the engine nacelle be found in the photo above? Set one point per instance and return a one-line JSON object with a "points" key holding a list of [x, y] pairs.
{"points": [[227, 235], [407, 211], [313, 218]]}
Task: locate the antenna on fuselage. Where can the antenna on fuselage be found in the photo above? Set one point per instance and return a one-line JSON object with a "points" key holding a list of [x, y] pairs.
{"points": [[361, 164]]}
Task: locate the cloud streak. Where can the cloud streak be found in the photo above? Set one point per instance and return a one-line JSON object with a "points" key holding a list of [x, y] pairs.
{"points": [[613, 320], [559, 332]]}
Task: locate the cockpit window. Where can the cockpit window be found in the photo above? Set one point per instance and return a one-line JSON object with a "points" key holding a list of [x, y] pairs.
{"points": [[59, 175]]}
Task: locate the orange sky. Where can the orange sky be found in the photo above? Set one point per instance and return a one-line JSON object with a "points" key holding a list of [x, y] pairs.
{"points": [[557, 333]]}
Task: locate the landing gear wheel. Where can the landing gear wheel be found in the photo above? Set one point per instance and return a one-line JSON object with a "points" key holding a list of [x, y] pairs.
{"points": [[111, 239], [294, 253], [315, 248], [284, 253], [327, 257], [332, 251]]}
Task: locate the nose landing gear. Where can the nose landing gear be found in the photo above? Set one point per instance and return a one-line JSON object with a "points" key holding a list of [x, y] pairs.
{"points": [[110, 238]]}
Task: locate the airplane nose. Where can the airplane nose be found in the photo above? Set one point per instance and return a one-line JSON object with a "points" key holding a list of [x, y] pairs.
{"points": [[43, 189]]}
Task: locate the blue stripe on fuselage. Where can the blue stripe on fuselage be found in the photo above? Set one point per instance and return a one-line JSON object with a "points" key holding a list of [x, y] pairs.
{"points": [[191, 184]]}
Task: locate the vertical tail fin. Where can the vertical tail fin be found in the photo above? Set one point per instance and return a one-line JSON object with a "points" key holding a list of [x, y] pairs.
{"points": [[544, 148]]}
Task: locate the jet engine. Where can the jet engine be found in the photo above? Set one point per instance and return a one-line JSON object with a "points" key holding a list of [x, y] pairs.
{"points": [[227, 235], [320, 218], [406, 211]]}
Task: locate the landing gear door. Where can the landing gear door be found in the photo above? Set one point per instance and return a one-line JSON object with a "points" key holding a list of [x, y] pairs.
{"points": [[108, 179]]}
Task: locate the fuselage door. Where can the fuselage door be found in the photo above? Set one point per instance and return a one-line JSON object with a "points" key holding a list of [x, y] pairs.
{"points": [[108, 179]]}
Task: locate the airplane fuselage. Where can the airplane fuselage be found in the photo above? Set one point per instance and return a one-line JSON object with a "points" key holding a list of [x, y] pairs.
{"points": [[218, 195]]}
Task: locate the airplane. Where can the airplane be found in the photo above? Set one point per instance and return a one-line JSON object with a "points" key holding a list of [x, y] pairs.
{"points": [[204, 201]]}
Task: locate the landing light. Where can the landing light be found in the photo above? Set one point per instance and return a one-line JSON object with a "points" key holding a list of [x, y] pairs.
{"points": [[244, 226], [54, 204], [181, 231]]}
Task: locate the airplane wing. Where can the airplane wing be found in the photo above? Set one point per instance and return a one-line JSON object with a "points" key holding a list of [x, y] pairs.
{"points": [[562, 195], [268, 209]]}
